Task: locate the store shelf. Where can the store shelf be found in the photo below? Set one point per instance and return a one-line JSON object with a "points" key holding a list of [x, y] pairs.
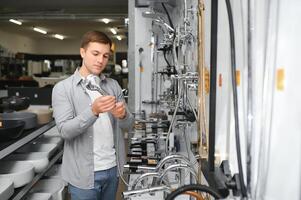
{"points": [[20, 194], [14, 146]]}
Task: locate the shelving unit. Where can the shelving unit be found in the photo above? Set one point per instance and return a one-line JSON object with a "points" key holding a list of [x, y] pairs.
{"points": [[21, 192], [11, 148]]}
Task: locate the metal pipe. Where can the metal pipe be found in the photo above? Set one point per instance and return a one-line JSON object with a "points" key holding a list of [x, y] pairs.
{"points": [[143, 176], [161, 22], [174, 53], [250, 116], [160, 165], [185, 16], [173, 120], [146, 175], [141, 167], [140, 50], [128, 194], [172, 158], [177, 166]]}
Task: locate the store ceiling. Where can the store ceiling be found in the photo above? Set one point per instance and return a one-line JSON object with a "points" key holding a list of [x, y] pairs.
{"points": [[70, 18]]}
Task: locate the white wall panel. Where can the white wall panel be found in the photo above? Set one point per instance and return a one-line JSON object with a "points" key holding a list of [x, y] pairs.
{"points": [[17, 43]]}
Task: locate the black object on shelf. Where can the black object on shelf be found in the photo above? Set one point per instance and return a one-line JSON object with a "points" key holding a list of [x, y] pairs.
{"points": [[11, 129], [221, 178], [38, 96], [30, 119], [7, 148], [5, 84], [14, 103]]}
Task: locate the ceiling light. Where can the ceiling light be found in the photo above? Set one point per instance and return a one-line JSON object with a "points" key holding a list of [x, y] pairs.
{"points": [[118, 37], [15, 21], [39, 30], [113, 31], [58, 36], [105, 20]]}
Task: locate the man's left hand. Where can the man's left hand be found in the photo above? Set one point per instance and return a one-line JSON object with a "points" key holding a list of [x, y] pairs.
{"points": [[119, 110]]}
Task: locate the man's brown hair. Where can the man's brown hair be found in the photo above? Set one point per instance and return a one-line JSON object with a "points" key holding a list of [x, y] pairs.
{"points": [[95, 36]]}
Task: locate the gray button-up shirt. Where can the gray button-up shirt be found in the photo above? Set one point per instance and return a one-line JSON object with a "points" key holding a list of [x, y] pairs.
{"points": [[74, 119]]}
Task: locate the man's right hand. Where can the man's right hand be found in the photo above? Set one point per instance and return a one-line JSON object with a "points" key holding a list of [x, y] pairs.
{"points": [[103, 104]]}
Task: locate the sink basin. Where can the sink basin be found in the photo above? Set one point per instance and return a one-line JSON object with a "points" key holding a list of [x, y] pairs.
{"points": [[38, 159], [6, 188], [49, 149], [53, 186], [39, 196], [19, 172]]}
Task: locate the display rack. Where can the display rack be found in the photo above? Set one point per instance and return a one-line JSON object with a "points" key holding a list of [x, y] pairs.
{"points": [[20, 194], [11, 148]]}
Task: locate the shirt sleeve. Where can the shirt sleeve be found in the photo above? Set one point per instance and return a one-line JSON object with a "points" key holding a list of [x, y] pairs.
{"points": [[68, 124]]}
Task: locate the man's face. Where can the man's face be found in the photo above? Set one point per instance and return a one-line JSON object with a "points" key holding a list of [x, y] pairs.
{"points": [[95, 58]]}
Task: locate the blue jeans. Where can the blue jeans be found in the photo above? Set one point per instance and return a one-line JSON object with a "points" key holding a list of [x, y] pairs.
{"points": [[105, 187]]}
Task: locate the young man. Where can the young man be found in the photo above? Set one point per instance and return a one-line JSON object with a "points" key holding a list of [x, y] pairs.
{"points": [[90, 123]]}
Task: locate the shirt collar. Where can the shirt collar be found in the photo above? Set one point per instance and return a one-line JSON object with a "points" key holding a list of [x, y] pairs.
{"points": [[78, 77]]}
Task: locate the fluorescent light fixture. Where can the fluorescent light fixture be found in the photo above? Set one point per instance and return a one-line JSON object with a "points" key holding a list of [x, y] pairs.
{"points": [[58, 36], [118, 37], [105, 20], [15, 21], [39, 30], [113, 31]]}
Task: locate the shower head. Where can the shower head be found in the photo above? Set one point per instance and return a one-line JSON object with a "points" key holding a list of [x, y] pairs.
{"points": [[157, 17], [92, 83]]}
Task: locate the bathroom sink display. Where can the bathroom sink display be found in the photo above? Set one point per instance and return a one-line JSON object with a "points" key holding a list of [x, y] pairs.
{"points": [[6, 188], [19, 172], [53, 186], [38, 196], [49, 149], [38, 159]]}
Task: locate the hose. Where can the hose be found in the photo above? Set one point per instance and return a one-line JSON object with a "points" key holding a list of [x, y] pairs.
{"points": [[198, 187], [235, 100], [168, 16], [194, 194], [117, 160]]}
